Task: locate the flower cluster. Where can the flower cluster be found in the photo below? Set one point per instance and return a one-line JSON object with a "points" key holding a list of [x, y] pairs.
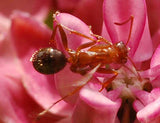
{"points": [[133, 96]]}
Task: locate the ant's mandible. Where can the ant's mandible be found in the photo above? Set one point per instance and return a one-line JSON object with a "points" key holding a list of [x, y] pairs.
{"points": [[51, 60]]}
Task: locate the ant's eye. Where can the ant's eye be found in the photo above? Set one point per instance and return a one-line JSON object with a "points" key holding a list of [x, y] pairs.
{"points": [[48, 60]]}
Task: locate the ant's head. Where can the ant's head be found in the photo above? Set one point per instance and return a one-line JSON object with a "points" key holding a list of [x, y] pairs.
{"points": [[122, 52], [48, 60]]}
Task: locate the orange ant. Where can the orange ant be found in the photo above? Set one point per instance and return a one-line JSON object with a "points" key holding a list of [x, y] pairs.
{"points": [[95, 58]]}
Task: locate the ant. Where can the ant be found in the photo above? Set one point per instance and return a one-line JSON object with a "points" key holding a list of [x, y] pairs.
{"points": [[94, 59]]}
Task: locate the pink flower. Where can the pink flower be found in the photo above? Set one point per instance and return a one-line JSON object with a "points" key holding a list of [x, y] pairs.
{"points": [[132, 93], [25, 92]]}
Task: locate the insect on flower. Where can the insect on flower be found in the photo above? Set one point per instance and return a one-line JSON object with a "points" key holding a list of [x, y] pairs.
{"points": [[51, 60]]}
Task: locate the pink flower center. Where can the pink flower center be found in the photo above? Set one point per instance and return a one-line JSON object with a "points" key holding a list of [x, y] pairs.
{"points": [[128, 80]]}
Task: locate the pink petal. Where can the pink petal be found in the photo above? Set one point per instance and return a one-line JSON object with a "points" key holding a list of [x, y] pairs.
{"points": [[143, 96], [105, 33], [30, 35], [145, 46], [31, 6], [137, 105], [150, 113], [75, 24], [147, 105], [156, 82], [114, 94], [8, 58], [153, 7], [4, 26], [155, 93], [155, 58], [119, 11], [155, 39], [153, 72], [67, 5], [96, 108], [91, 15], [16, 105], [66, 84]]}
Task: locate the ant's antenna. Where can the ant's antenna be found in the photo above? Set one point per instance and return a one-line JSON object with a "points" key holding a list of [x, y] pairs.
{"points": [[129, 36], [139, 76], [130, 31]]}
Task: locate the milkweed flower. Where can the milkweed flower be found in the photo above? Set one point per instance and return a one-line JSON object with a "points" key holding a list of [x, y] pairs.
{"points": [[132, 92], [129, 98]]}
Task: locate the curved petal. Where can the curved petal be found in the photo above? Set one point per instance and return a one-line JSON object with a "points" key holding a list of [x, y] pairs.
{"points": [[156, 82], [145, 46], [105, 32], [155, 58], [8, 58], [150, 113], [147, 105], [155, 39], [120, 11], [91, 15], [153, 8], [31, 6], [28, 36], [16, 105], [137, 105], [95, 107], [153, 72], [144, 97], [4, 26], [75, 24], [71, 83], [68, 5], [146, 100]]}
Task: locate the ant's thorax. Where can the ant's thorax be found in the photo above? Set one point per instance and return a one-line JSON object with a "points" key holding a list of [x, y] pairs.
{"points": [[99, 54]]}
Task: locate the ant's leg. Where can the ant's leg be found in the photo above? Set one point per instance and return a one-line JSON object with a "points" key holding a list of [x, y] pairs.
{"points": [[80, 70], [130, 31], [94, 41], [52, 41], [77, 33], [64, 97], [138, 75], [81, 83], [64, 37], [107, 71], [99, 38], [85, 45]]}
